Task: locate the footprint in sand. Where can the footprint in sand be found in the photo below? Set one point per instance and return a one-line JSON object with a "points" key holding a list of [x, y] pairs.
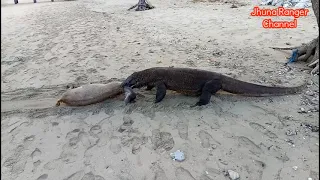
{"points": [[137, 143], [95, 130], [182, 130], [97, 177], [127, 123], [263, 130], [136, 147], [91, 176], [28, 140], [54, 123], [16, 162], [70, 152], [73, 141], [73, 133], [183, 174], [36, 153], [259, 168], [43, 177], [87, 140], [160, 175], [247, 143], [72, 137], [205, 138], [75, 176], [115, 145], [36, 165], [88, 176], [162, 141], [256, 169]]}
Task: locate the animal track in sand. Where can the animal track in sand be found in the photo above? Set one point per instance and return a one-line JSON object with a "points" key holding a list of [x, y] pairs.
{"points": [[43, 177], [16, 163], [255, 171], [162, 141], [246, 142], [115, 145], [183, 174], [36, 165], [75, 176], [127, 123], [91, 176], [136, 147], [87, 140], [206, 139], [183, 130], [95, 130], [71, 151], [263, 130], [159, 173], [29, 138], [35, 153]]}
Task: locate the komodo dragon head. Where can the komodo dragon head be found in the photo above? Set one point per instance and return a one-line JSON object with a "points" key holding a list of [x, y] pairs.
{"points": [[140, 78]]}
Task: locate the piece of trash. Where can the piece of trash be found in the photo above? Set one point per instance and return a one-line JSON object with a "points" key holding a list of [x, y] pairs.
{"points": [[233, 175], [294, 56], [291, 132], [302, 110], [207, 172], [177, 156], [295, 168], [309, 178]]}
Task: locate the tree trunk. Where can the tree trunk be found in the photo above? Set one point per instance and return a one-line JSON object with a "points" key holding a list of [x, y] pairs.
{"points": [[315, 7], [308, 52], [314, 60]]}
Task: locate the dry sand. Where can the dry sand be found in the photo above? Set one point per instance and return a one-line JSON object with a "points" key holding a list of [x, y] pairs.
{"points": [[46, 46]]}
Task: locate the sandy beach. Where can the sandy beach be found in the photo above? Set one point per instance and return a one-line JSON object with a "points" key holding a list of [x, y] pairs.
{"points": [[49, 45]]}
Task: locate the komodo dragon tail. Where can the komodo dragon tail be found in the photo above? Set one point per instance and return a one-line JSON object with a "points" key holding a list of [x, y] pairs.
{"points": [[235, 86]]}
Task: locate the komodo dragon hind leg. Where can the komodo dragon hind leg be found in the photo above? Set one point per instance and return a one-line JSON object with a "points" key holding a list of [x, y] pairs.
{"points": [[161, 91], [209, 88]]}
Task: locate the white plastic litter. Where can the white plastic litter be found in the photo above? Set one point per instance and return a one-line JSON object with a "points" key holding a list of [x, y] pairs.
{"points": [[177, 156], [233, 175]]}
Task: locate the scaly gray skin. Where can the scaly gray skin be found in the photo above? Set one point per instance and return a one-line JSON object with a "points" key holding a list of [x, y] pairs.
{"points": [[199, 83]]}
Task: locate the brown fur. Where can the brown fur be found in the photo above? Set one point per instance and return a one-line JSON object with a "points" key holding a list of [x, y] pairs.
{"points": [[90, 94]]}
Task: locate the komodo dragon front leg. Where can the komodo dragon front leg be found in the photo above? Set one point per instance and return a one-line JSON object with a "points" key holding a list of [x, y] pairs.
{"points": [[208, 89]]}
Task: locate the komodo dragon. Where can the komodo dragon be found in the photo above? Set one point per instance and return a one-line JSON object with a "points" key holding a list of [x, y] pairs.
{"points": [[199, 83]]}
